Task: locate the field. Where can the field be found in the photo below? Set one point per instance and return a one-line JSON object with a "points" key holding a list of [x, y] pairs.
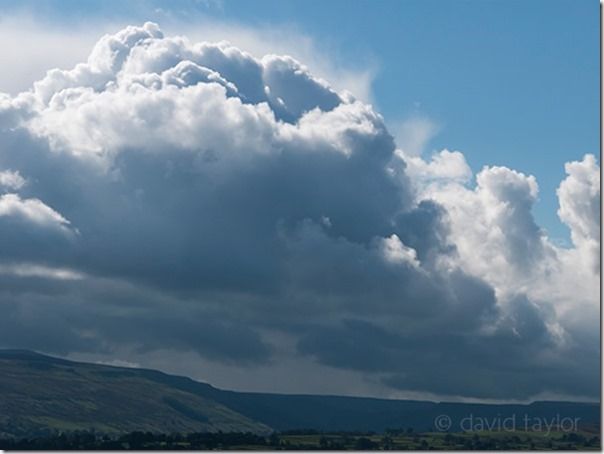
{"points": [[445, 441], [301, 440]]}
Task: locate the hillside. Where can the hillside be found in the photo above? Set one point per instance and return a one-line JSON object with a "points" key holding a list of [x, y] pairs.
{"points": [[38, 393]]}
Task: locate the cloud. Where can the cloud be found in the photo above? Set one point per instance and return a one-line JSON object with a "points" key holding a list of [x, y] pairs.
{"points": [[44, 46], [205, 200], [540, 286], [31, 210], [579, 196], [11, 180], [28, 270], [320, 57], [395, 251], [445, 166], [491, 224]]}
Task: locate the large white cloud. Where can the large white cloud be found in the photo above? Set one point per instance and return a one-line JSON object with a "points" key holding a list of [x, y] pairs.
{"points": [[215, 202]]}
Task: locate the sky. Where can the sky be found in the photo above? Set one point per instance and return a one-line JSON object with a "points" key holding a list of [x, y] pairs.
{"points": [[329, 197]]}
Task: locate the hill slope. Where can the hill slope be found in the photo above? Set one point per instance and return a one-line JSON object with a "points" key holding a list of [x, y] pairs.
{"points": [[38, 392]]}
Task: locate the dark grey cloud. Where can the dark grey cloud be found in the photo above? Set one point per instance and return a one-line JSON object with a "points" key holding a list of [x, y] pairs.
{"points": [[186, 197]]}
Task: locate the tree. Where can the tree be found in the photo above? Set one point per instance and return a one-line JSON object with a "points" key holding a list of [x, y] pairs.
{"points": [[365, 444]]}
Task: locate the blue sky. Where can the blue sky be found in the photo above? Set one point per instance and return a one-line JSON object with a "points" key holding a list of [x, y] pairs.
{"points": [[513, 83]]}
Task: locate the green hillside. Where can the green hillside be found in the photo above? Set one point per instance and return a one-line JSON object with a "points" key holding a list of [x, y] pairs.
{"points": [[38, 393]]}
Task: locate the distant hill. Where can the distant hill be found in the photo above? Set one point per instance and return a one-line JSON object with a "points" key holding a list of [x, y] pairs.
{"points": [[39, 394]]}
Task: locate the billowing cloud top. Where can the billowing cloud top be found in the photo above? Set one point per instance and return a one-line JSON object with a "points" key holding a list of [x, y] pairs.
{"points": [[168, 196]]}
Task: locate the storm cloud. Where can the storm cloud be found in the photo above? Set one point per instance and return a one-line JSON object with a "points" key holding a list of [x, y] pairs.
{"points": [[174, 196]]}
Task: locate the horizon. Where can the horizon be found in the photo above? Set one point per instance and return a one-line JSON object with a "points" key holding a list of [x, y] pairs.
{"points": [[468, 402]]}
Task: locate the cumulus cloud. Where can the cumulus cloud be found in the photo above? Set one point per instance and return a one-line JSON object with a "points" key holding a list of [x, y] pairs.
{"points": [[206, 200], [44, 46], [579, 196], [498, 211], [319, 56], [553, 290]]}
